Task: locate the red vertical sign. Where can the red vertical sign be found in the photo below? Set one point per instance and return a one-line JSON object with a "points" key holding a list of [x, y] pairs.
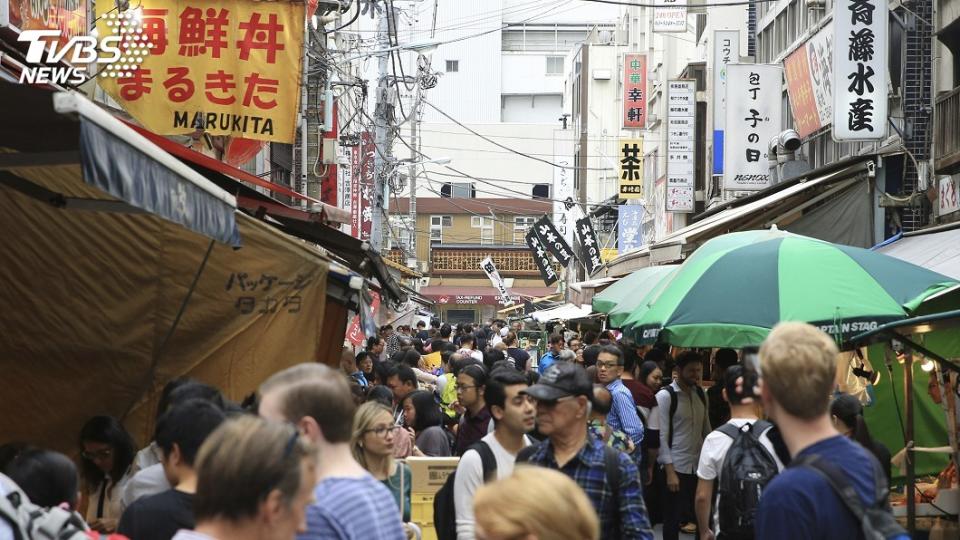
{"points": [[361, 187], [803, 102], [634, 90]]}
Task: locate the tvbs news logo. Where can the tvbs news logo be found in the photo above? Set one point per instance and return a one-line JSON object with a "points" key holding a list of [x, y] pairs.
{"points": [[54, 59]]}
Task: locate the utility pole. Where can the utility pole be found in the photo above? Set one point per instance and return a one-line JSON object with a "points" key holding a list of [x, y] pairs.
{"points": [[412, 173], [384, 106]]}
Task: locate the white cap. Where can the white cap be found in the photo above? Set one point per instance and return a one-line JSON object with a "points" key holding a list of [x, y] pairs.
{"points": [[504, 331]]}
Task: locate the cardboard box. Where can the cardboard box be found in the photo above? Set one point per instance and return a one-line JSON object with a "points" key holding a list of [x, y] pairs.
{"points": [[429, 473]]}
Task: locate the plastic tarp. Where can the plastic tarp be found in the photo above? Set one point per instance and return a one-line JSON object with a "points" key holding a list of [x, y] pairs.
{"points": [[89, 300], [937, 251], [565, 312]]}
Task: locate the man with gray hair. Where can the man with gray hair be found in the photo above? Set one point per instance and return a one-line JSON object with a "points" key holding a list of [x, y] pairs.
{"points": [[349, 503], [567, 355]]}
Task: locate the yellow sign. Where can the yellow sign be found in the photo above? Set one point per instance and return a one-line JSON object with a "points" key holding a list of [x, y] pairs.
{"points": [[230, 67], [630, 154], [608, 254]]}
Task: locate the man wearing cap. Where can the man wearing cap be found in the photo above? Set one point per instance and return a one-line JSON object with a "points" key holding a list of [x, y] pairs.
{"points": [[563, 397]]}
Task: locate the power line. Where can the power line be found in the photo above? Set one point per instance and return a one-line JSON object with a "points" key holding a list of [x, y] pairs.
{"points": [[514, 151], [659, 6]]}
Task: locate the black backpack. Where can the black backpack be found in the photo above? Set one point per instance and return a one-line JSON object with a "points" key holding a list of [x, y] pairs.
{"points": [[876, 521], [673, 409], [444, 508], [747, 469]]}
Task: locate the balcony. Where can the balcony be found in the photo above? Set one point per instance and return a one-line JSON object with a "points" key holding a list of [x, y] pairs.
{"points": [[463, 260], [946, 133]]}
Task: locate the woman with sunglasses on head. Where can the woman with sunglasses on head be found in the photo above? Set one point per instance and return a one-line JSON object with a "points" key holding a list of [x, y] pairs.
{"points": [[106, 451], [372, 444]]}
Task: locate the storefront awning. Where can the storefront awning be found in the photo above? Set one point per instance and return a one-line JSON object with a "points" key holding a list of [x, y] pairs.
{"points": [[478, 295], [566, 312], [46, 130], [937, 249]]}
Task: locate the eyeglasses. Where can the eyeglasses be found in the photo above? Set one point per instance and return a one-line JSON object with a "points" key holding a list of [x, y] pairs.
{"points": [[288, 448], [553, 402], [97, 454], [607, 365], [382, 430], [464, 387]]}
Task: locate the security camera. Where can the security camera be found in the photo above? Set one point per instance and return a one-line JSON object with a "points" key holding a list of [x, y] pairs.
{"points": [[871, 169]]}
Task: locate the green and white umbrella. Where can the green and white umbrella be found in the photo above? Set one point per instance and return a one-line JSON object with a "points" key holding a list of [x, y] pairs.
{"points": [[735, 288], [656, 277]]}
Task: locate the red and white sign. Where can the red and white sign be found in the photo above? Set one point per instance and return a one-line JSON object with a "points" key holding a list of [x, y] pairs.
{"points": [[634, 90], [355, 333], [361, 188], [948, 199], [803, 104]]}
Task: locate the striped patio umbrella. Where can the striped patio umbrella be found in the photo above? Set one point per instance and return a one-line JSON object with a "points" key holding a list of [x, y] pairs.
{"points": [[736, 287], [621, 298]]}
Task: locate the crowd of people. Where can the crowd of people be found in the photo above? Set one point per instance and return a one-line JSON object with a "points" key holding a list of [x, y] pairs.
{"points": [[597, 438]]}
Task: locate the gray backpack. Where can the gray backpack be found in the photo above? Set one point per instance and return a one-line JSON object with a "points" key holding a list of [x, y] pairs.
{"points": [[31, 522]]}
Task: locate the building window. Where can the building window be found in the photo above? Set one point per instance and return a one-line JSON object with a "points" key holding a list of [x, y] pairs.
{"points": [[460, 190], [453, 66], [485, 224], [554, 65], [521, 224], [437, 223]]}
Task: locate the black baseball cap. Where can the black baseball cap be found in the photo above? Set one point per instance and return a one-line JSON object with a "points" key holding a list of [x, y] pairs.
{"points": [[560, 380]]}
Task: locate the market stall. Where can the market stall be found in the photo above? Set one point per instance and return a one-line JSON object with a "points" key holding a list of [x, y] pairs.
{"points": [[124, 269]]}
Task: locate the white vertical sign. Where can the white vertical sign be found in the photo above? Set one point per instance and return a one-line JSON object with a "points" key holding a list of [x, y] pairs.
{"points": [[345, 181], [726, 50], [681, 150], [860, 70], [670, 15], [754, 99], [491, 270], [567, 212]]}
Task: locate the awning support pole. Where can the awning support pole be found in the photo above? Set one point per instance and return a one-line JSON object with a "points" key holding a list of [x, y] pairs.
{"points": [[148, 380]]}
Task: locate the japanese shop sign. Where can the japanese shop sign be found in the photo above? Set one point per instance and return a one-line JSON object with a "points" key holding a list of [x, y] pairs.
{"points": [[68, 17], [265, 293], [565, 209], [550, 237], [809, 75], [355, 332], [670, 15], [547, 272], [631, 168], [630, 228], [860, 70], [681, 152], [361, 187], [491, 271], [634, 90], [230, 68], [345, 179], [753, 118], [948, 195], [726, 50], [589, 246]]}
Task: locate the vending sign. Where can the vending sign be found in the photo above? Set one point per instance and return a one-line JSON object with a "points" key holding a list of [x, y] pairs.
{"points": [[726, 50], [634, 91]]}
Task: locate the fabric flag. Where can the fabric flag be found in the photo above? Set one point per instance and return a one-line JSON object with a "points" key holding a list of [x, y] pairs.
{"points": [[491, 270], [589, 247], [547, 272], [550, 237]]}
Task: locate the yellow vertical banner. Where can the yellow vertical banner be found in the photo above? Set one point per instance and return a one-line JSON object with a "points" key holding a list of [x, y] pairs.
{"points": [[630, 156], [231, 67]]}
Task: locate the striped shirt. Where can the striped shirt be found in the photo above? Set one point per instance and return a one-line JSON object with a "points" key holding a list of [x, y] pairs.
{"points": [[623, 413], [353, 509]]}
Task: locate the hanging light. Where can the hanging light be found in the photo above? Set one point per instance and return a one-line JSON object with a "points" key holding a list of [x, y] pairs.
{"points": [[314, 21], [927, 365]]}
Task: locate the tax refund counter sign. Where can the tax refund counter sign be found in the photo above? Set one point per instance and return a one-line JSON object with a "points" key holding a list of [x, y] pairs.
{"points": [[231, 67]]}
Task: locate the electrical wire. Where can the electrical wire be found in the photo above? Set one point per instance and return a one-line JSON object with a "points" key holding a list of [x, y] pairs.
{"points": [[348, 23], [512, 150], [663, 6]]}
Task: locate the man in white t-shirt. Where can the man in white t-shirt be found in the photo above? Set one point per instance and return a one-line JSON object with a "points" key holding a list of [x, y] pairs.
{"points": [[743, 411], [514, 414]]}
